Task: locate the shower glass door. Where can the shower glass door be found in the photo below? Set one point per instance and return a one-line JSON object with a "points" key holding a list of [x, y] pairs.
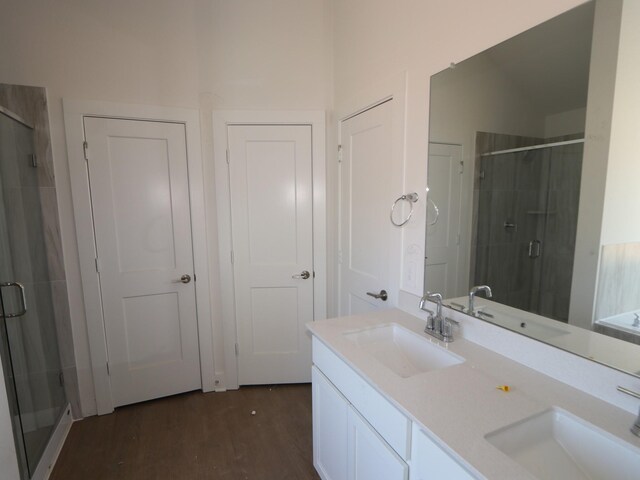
{"points": [[28, 340], [526, 227]]}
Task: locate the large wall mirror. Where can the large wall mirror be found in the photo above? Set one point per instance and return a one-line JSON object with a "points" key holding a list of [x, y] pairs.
{"points": [[526, 182]]}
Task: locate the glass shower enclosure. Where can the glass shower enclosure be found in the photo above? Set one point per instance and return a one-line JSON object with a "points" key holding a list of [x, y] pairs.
{"points": [[28, 339], [527, 213]]}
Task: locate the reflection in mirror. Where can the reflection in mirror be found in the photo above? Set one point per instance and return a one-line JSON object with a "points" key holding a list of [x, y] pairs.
{"points": [[507, 192]]}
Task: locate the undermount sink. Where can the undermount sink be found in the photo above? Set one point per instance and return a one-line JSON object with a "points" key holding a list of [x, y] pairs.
{"points": [[556, 444], [402, 351]]}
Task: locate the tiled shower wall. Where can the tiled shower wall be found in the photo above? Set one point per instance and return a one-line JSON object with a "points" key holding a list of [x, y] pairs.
{"points": [[518, 198], [30, 103], [618, 280]]}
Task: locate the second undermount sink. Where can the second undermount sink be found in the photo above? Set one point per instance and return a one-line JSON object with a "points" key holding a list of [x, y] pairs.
{"points": [[402, 351], [556, 444]]}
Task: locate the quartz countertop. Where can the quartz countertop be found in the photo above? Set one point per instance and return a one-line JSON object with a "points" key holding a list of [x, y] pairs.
{"points": [[460, 404]]}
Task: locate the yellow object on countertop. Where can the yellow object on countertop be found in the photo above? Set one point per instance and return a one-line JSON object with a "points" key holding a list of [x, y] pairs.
{"points": [[504, 388]]}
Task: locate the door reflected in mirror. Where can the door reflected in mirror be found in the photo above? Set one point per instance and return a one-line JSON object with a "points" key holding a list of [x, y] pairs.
{"points": [[515, 147]]}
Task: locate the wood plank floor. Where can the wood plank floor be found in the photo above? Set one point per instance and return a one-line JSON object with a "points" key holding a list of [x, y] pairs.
{"points": [[197, 436]]}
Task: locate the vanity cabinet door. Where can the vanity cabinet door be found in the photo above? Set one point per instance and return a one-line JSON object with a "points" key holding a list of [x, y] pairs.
{"points": [[370, 457], [330, 416], [430, 462]]}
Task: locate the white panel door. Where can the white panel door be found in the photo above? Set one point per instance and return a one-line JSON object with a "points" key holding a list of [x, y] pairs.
{"points": [[140, 201], [270, 173], [365, 198], [442, 256]]}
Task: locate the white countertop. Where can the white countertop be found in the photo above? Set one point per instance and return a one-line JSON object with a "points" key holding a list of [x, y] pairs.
{"points": [[461, 404]]}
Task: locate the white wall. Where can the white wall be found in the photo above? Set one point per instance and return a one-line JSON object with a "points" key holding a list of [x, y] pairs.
{"points": [[622, 192], [565, 123], [602, 83], [202, 54], [375, 39]]}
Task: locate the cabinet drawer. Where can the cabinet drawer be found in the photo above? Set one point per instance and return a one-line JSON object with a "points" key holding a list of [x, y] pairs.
{"points": [[385, 418]]}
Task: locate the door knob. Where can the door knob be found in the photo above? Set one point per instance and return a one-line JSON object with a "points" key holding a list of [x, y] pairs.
{"points": [[304, 275], [185, 278], [382, 295]]}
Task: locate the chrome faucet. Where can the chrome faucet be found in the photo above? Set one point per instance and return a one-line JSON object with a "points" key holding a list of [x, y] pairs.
{"points": [[437, 326], [472, 295], [635, 428], [434, 297]]}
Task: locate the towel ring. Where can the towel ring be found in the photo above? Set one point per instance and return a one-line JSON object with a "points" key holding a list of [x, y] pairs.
{"points": [[409, 197], [436, 209]]}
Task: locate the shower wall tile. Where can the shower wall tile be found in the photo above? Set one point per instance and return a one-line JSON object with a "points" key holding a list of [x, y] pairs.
{"points": [[52, 238], [618, 280], [18, 234], [34, 224], [25, 148], [9, 173], [30, 103], [61, 310], [71, 389], [65, 345]]}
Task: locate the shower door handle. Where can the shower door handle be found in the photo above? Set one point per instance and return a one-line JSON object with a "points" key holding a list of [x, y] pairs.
{"points": [[23, 300], [535, 248]]}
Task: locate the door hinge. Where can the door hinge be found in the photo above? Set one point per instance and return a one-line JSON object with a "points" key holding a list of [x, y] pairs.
{"points": [[339, 153], [237, 350], [232, 257], [481, 175], [61, 379], [108, 370], [85, 149], [228, 155], [97, 265], [34, 160], [461, 166]]}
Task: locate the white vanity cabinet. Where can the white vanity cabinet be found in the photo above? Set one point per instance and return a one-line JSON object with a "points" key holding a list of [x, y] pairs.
{"points": [[369, 456], [330, 428], [359, 435], [430, 462], [345, 444]]}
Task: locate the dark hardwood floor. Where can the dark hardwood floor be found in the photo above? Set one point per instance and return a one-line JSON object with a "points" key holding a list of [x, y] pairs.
{"points": [[197, 436]]}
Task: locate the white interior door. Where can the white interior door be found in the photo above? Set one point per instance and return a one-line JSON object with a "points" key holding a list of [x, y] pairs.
{"points": [[270, 170], [442, 257], [140, 202], [366, 195]]}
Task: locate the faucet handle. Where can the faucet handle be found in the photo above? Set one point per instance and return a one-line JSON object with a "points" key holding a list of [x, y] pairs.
{"points": [[430, 326], [447, 328]]}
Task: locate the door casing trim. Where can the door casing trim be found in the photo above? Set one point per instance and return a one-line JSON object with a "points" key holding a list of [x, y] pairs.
{"points": [[74, 113], [221, 120]]}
